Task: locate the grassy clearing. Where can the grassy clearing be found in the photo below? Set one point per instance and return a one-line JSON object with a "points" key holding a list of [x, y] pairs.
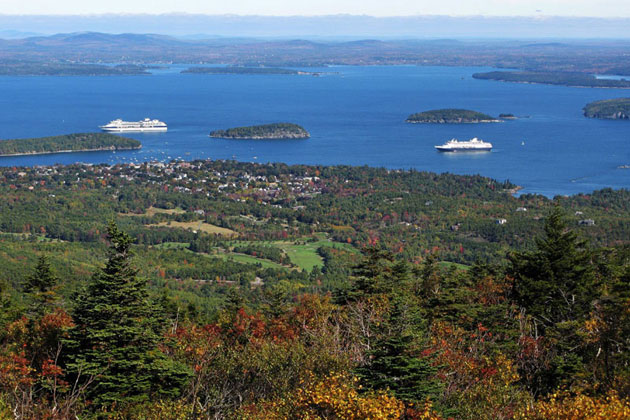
{"points": [[303, 253], [247, 259], [172, 245], [198, 226], [152, 211], [448, 264]]}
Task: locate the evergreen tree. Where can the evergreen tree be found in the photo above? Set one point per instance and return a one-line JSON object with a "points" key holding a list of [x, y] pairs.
{"points": [[611, 331], [393, 365], [555, 284], [372, 276], [430, 276], [115, 341], [41, 287], [556, 281], [6, 307]]}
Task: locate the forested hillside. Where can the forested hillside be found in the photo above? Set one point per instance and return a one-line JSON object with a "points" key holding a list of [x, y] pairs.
{"points": [[224, 290]]}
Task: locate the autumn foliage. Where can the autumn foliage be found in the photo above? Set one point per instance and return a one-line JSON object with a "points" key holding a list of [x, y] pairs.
{"points": [[577, 407]]}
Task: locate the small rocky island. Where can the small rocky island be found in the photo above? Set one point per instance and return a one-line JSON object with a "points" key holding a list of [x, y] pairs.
{"points": [[508, 116], [609, 109], [265, 131], [81, 142], [450, 116]]}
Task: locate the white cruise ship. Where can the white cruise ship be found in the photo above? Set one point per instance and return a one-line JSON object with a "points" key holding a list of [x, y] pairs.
{"points": [[147, 124], [472, 145]]}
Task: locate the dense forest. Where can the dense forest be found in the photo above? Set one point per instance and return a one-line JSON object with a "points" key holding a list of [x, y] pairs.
{"points": [[67, 143], [609, 109], [450, 116], [265, 131], [553, 78], [224, 290]]}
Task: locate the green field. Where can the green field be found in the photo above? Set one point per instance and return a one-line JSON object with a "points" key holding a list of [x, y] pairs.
{"points": [[302, 253], [152, 211], [172, 245], [247, 259], [448, 264], [198, 226]]}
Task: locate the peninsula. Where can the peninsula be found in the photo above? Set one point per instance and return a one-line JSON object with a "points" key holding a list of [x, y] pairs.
{"points": [[81, 142], [266, 131], [248, 70], [21, 68], [553, 78], [609, 109], [450, 116]]}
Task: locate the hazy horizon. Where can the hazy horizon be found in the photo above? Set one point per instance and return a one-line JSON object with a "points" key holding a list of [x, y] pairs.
{"points": [[391, 8], [323, 26]]}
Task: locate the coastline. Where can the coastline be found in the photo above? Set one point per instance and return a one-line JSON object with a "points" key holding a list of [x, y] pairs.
{"points": [[455, 122], [554, 84], [261, 138], [100, 149], [514, 190]]}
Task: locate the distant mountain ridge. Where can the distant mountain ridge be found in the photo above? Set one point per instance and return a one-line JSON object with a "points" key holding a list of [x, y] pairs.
{"points": [[89, 47]]}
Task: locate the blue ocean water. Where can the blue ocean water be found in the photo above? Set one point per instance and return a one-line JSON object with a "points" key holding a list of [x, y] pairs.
{"points": [[355, 116]]}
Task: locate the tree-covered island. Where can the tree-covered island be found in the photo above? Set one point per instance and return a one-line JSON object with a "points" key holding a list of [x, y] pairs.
{"points": [[609, 109], [81, 142], [553, 78], [35, 68], [265, 131], [450, 116]]}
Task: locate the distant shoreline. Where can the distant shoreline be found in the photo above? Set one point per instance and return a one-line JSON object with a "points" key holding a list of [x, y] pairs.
{"points": [[566, 79], [556, 84]]}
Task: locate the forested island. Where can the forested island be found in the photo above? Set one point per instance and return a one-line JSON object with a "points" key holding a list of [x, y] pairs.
{"points": [[22, 68], [265, 131], [81, 142], [553, 78], [450, 116], [609, 109], [272, 292], [248, 70]]}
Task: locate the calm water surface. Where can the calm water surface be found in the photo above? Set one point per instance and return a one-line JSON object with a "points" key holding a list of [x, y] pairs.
{"points": [[355, 117]]}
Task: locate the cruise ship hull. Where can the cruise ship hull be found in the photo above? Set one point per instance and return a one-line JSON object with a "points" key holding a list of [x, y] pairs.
{"points": [[133, 130], [452, 149]]}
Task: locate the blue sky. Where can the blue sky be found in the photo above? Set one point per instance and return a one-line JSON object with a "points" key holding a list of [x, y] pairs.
{"points": [[595, 8]]}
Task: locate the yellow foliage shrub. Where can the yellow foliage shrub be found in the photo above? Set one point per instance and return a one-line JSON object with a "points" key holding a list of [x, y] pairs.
{"points": [[577, 407], [334, 398]]}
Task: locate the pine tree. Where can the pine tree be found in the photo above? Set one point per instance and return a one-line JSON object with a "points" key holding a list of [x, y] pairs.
{"points": [[41, 288], [394, 367], [115, 341], [6, 307], [372, 276], [555, 284], [556, 281]]}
